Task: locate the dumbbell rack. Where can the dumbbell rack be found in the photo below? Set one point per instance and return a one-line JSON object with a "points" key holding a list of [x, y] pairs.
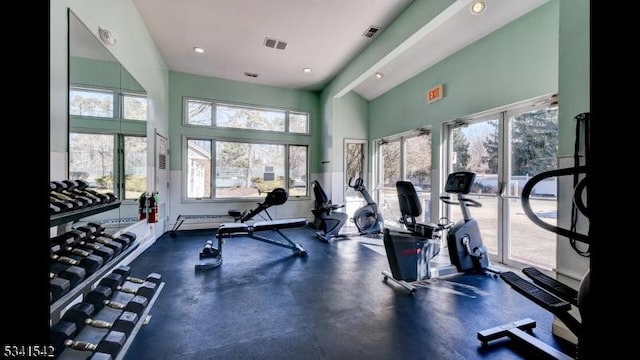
{"points": [[63, 222], [110, 315]]}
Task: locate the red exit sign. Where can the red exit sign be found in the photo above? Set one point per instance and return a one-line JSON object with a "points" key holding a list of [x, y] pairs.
{"points": [[435, 93]]}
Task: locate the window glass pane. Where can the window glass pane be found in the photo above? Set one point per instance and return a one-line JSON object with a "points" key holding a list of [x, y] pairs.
{"points": [[417, 157], [135, 166], [248, 170], [198, 169], [534, 149], [298, 123], [297, 170], [199, 113], [134, 107], [390, 156], [248, 118], [91, 159], [84, 102], [475, 149], [391, 164]]}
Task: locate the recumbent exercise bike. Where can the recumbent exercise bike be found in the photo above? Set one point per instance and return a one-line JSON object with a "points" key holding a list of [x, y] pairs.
{"points": [[367, 219], [411, 251]]}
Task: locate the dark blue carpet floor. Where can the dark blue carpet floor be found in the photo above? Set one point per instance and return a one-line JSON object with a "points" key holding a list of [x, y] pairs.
{"points": [[265, 303]]}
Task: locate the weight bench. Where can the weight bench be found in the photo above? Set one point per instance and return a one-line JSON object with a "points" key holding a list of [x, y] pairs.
{"points": [[211, 256]]}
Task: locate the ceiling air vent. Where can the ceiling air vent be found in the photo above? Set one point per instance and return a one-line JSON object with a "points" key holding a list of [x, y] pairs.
{"points": [[371, 32], [249, 74], [275, 44]]}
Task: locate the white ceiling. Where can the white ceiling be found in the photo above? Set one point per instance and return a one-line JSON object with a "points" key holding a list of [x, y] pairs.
{"points": [[324, 35]]}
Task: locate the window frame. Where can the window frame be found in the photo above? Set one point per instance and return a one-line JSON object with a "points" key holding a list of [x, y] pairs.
{"points": [[98, 125], [214, 125], [213, 198]]}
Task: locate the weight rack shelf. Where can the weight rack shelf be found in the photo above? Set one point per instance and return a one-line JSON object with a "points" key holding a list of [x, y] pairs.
{"points": [[69, 216], [85, 286]]}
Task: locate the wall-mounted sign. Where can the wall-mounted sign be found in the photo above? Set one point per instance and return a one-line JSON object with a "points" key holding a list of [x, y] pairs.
{"points": [[435, 93]]}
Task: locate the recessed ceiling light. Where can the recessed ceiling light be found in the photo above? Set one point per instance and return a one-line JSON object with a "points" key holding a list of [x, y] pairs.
{"points": [[307, 70], [379, 75], [199, 50], [478, 7]]}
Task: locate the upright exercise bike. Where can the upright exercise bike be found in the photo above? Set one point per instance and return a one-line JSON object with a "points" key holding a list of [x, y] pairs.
{"points": [[410, 251], [367, 219]]}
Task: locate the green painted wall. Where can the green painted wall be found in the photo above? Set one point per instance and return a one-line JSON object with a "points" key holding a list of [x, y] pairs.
{"points": [[134, 49], [188, 85], [406, 24], [574, 82], [514, 63]]}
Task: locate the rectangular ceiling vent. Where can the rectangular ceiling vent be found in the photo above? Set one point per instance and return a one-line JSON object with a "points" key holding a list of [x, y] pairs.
{"points": [[371, 32], [250, 74], [275, 44]]}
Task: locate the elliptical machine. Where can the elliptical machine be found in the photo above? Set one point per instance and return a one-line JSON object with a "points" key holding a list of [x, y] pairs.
{"points": [[367, 219], [411, 251]]}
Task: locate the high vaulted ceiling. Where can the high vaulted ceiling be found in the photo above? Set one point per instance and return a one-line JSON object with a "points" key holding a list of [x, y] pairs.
{"points": [[242, 37]]}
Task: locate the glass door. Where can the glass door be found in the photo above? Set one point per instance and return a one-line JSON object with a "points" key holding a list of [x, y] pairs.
{"points": [[505, 149]]}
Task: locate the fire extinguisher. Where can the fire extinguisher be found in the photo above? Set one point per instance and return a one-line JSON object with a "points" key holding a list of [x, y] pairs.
{"points": [[143, 204], [153, 207]]}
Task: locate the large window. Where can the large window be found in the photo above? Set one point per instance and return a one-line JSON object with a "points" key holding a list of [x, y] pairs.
{"points": [[405, 157], [207, 113], [243, 169], [225, 163], [100, 151], [93, 158], [505, 149]]}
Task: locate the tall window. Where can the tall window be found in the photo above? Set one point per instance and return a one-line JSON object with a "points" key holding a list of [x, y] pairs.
{"points": [[100, 152], [505, 150], [405, 157], [224, 163], [243, 169]]}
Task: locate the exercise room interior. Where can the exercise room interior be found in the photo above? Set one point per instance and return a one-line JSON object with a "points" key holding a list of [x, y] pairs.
{"points": [[315, 179]]}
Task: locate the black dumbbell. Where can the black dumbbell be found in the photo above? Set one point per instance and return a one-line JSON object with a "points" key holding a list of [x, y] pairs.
{"points": [[80, 314], [115, 281], [100, 250], [125, 271], [87, 233], [110, 344], [75, 202], [74, 274], [126, 238], [61, 188], [89, 262], [58, 287], [100, 229], [60, 204], [104, 238], [63, 331], [72, 187], [83, 185], [54, 209], [99, 298]]}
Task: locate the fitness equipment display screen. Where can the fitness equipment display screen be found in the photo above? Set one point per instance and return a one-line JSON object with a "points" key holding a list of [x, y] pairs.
{"points": [[459, 182]]}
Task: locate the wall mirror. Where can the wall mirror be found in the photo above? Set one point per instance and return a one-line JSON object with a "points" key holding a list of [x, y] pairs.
{"points": [[107, 125]]}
